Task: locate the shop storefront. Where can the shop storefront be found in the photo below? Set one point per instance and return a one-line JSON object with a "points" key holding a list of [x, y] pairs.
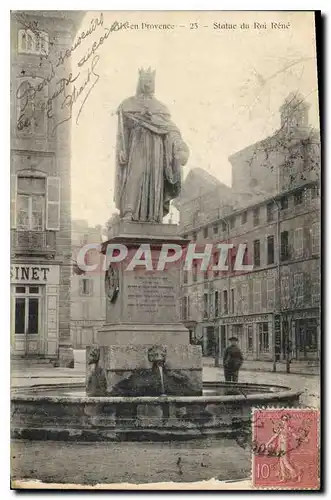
{"points": [[306, 336], [254, 334], [34, 309]]}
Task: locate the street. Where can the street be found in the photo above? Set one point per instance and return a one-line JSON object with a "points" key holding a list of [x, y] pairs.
{"points": [[92, 463]]}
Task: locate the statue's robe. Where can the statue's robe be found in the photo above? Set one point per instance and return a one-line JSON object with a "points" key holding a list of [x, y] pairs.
{"points": [[155, 151]]}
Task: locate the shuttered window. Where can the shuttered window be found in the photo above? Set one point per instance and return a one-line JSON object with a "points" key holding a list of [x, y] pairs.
{"points": [[53, 204], [285, 291], [257, 295], [31, 42], [298, 289], [35, 203], [270, 293], [13, 195], [316, 238], [244, 295], [298, 242]]}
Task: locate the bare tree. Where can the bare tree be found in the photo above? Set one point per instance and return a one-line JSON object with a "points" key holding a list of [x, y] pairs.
{"points": [[295, 291], [293, 150]]}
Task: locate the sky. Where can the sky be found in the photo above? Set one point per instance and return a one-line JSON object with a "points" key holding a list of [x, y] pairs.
{"points": [[223, 88]]}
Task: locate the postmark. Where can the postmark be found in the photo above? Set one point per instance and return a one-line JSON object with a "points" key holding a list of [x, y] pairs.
{"points": [[285, 448]]}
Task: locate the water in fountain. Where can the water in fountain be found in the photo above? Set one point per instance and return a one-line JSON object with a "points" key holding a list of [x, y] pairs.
{"points": [[160, 367]]}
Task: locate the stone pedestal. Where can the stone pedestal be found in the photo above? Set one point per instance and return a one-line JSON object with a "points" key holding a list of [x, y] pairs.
{"points": [[143, 310]]}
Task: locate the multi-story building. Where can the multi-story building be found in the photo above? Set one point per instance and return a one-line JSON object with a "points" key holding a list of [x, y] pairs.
{"points": [[274, 309], [40, 185], [88, 306]]}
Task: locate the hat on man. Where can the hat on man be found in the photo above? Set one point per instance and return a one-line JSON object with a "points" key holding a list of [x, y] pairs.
{"points": [[233, 339]]}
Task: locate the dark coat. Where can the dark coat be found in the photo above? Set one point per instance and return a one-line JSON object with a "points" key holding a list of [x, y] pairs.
{"points": [[233, 358]]}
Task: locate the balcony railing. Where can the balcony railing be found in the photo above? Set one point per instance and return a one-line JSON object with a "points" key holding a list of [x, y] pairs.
{"points": [[33, 242]]}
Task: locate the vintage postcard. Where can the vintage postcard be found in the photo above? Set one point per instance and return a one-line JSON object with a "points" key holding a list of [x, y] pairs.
{"points": [[165, 250]]}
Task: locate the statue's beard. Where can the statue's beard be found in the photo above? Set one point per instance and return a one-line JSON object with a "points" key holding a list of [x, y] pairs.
{"points": [[145, 91]]}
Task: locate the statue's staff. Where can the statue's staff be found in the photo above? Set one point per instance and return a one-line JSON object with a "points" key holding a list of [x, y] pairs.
{"points": [[122, 154]]}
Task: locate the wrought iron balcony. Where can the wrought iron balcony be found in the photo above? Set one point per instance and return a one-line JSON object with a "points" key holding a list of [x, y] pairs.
{"points": [[33, 243]]}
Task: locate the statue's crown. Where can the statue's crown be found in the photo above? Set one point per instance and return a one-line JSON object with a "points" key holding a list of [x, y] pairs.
{"points": [[148, 71]]}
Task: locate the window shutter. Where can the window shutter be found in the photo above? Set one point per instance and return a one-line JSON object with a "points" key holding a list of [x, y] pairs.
{"points": [[250, 295], [240, 298], [306, 242], [53, 204], [13, 196]]}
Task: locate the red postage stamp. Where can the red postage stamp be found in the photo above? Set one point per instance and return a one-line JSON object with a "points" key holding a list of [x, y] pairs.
{"points": [[285, 448]]}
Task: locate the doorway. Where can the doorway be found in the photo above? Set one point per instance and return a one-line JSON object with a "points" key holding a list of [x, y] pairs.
{"points": [[27, 320], [306, 339], [210, 347]]}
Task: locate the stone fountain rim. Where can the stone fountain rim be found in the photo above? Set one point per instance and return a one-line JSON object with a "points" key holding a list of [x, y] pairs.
{"points": [[27, 408], [284, 392], [206, 384]]}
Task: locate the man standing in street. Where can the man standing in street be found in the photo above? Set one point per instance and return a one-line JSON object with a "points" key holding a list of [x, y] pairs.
{"points": [[232, 361]]}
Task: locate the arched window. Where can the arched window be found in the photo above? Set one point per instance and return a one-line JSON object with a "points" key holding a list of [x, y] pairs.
{"points": [[33, 42]]}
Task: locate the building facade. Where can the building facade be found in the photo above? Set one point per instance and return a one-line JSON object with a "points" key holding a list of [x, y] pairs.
{"points": [[88, 302], [274, 310], [40, 186]]}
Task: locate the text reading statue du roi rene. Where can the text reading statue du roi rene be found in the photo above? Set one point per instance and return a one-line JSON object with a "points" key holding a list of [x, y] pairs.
{"points": [[149, 155]]}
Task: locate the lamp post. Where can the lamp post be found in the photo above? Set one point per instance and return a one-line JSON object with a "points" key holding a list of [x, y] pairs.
{"points": [[278, 291], [278, 288]]}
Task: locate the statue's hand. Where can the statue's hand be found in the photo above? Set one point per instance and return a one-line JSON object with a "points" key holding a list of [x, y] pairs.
{"points": [[147, 115], [181, 151], [122, 158], [182, 155]]}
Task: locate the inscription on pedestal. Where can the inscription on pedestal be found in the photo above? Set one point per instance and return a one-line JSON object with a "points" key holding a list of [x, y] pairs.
{"points": [[149, 293]]}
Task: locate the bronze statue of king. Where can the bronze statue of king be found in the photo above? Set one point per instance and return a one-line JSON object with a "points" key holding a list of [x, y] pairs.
{"points": [[149, 154]]}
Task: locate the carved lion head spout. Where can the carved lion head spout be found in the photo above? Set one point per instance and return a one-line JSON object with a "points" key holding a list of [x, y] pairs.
{"points": [[146, 82], [157, 355], [94, 355], [96, 384]]}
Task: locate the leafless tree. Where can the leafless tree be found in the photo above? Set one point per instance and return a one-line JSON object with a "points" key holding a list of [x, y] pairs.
{"points": [[296, 145], [295, 291]]}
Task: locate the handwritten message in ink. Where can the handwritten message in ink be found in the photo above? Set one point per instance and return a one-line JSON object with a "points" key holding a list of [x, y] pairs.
{"points": [[56, 92]]}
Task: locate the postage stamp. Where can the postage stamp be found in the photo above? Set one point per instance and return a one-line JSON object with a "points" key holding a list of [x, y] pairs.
{"points": [[285, 448]]}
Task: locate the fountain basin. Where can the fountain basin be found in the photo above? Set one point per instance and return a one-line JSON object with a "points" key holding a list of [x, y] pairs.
{"points": [[64, 413]]}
